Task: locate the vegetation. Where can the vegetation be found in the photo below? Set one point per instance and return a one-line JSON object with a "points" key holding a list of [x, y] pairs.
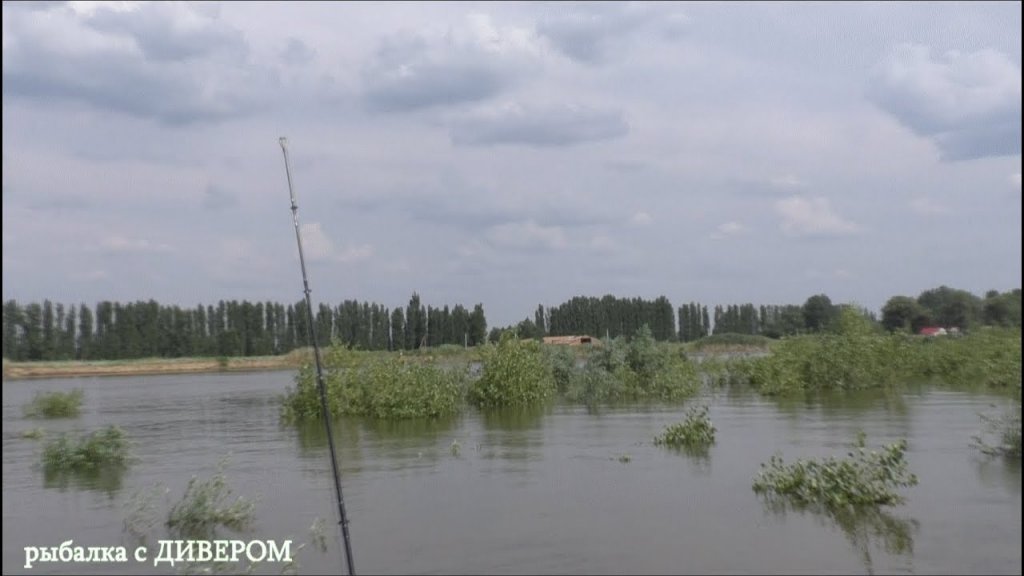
{"points": [[732, 340], [1005, 427], [55, 404], [33, 433], [640, 369], [379, 386], [863, 478], [695, 432], [106, 448], [514, 373], [146, 329], [206, 506]]}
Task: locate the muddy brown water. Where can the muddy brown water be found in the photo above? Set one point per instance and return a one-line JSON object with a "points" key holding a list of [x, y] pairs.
{"points": [[562, 490]]}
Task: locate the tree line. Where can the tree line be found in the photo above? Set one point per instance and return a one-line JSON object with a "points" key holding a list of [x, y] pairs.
{"points": [[144, 329], [610, 317], [112, 330]]}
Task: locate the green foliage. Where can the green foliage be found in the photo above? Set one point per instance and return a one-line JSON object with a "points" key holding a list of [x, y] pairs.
{"points": [[563, 366], [384, 386], [1006, 428], [695, 432], [641, 369], [101, 449], [206, 507], [55, 404], [514, 373], [988, 358], [863, 478], [731, 340]]}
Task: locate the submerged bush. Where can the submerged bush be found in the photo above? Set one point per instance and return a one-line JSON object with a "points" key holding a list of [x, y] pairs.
{"points": [[1006, 428], [55, 404], [100, 449], [862, 478], [641, 369], [514, 373], [206, 507], [696, 431], [384, 386]]}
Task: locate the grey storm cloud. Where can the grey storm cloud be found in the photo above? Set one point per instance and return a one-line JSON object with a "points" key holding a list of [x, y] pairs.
{"points": [[539, 126], [968, 104], [172, 63]]}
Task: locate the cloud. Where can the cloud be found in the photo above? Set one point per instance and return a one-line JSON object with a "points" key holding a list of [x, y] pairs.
{"points": [[413, 71], [968, 104], [927, 207], [527, 234], [1015, 179], [811, 217], [641, 219], [296, 52], [317, 247], [117, 244], [175, 62], [727, 229], [589, 32], [538, 126]]}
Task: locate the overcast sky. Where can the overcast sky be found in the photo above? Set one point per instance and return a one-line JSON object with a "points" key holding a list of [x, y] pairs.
{"points": [[510, 153]]}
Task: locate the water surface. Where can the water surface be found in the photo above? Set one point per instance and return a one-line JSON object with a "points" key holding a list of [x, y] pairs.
{"points": [[559, 490]]}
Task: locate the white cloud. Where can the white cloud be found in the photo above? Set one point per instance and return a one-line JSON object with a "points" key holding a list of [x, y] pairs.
{"points": [[926, 207], [1015, 179], [641, 219], [811, 217], [527, 234], [727, 229], [317, 247]]}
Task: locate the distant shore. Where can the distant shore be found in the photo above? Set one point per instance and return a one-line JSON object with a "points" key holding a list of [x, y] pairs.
{"points": [[147, 366]]}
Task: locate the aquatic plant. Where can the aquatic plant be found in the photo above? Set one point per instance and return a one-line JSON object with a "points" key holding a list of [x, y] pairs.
{"points": [[696, 431], [641, 369], [514, 373], [205, 507], [862, 478], [379, 386], [33, 433], [55, 404], [1006, 428], [104, 448]]}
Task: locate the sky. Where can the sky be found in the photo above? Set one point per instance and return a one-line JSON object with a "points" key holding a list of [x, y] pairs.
{"points": [[510, 154]]}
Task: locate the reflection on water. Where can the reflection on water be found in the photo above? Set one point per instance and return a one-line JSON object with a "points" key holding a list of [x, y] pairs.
{"points": [[103, 479], [866, 528]]}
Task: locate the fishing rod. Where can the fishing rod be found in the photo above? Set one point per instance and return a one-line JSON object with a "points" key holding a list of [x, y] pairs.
{"points": [[343, 518]]}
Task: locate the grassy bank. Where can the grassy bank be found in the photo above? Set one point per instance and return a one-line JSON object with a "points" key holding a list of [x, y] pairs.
{"points": [[145, 366]]}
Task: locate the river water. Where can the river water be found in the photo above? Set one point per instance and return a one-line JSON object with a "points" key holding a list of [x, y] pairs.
{"points": [[561, 490]]}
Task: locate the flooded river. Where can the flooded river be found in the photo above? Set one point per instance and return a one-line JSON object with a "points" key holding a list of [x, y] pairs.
{"points": [[562, 490]]}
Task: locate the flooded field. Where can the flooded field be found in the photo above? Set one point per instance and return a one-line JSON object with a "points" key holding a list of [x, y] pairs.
{"points": [[562, 490]]}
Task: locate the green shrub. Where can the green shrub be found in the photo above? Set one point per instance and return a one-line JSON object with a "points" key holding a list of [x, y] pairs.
{"points": [[641, 369], [55, 404], [206, 507], [1006, 428], [696, 431], [379, 386], [862, 478], [514, 373], [103, 448]]}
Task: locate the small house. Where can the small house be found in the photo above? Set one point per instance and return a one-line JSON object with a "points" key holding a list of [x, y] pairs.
{"points": [[571, 340]]}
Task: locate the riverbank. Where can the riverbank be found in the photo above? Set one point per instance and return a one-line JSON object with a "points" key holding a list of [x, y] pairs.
{"points": [[148, 366]]}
